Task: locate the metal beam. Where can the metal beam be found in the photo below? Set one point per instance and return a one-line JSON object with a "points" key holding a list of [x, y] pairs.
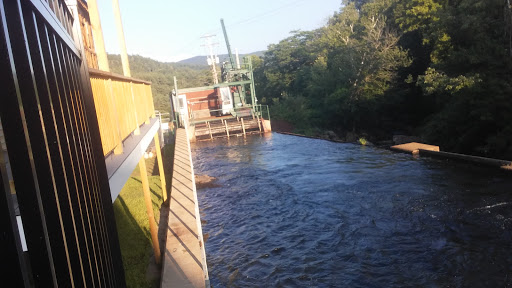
{"points": [[120, 167]]}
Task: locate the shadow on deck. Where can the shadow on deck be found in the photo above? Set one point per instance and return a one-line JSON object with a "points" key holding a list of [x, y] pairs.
{"points": [[184, 263]]}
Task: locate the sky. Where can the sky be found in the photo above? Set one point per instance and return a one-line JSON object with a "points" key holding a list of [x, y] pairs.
{"points": [[171, 30]]}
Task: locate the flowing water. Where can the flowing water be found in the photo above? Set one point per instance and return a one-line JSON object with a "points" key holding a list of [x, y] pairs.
{"points": [[298, 212]]}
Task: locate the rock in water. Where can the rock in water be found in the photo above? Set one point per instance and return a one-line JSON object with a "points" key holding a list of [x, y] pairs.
{"points": [[205, 181]]}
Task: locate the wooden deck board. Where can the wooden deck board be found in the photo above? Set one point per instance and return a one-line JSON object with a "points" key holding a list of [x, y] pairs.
{"points": [[414, 147], [184, 256]]}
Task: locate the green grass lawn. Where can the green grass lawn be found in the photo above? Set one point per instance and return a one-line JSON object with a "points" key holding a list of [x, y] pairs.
{"points": [[133, 228], [132, 220]]}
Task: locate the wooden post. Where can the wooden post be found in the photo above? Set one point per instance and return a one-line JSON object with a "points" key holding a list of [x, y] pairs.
{"points": [[97, 35], [147, 114], [243, 126], [160, 167], [226, 125], [259, 123], [120, 37], [137, 130], [174, 102], [149, 209], [210, 129], [119, 145]]}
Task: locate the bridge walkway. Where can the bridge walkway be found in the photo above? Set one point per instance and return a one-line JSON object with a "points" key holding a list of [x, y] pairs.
{"points": [[184, 263]]}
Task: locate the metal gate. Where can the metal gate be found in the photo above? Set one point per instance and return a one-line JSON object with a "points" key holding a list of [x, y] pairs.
{"points": [[53, 176]]}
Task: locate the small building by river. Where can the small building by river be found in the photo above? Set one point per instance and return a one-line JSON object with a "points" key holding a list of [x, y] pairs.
{"points": [[224, 109]]}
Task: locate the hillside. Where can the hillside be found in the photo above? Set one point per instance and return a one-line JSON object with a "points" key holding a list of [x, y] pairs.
{"points": [[161, 76], [201, 60]]}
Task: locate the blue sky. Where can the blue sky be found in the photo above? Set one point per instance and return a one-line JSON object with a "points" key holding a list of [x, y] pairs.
{"points": [[170, 30]]}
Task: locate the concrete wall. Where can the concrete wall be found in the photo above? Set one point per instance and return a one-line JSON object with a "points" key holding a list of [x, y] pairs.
{"points": [[267, 127]]}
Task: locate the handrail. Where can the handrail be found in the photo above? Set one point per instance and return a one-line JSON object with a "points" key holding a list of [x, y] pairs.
{"points": [[193, 115], [61, 12], [258, 110], [114, 76], [122, 105]]}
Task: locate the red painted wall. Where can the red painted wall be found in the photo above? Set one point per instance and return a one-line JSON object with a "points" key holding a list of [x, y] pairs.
{"points": [[202, 100]]}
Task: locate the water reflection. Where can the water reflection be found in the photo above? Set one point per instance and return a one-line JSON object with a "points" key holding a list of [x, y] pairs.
{"points": [[301, 212], [232, 155]]}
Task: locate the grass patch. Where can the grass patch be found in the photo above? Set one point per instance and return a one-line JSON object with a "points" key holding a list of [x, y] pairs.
{"points": [[133, 226], [132, 219]]}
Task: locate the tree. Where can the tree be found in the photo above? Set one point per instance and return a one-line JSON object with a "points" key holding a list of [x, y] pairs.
{"points": [[440, 68]]}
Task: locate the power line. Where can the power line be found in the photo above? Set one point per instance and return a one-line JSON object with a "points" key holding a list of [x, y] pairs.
{"points": [[253, 19], [273, 11], [186, 46], [212, 57], [260, 16]]}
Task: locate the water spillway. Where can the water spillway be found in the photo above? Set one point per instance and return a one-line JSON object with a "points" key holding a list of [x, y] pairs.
{"points": [[298, 212]]}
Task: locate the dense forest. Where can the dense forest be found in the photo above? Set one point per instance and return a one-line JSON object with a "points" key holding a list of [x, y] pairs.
{"points": [[161, 76], [439, 69]]}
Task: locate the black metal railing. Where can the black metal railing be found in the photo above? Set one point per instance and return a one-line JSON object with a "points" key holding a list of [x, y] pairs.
{"points": [[59, 179]]}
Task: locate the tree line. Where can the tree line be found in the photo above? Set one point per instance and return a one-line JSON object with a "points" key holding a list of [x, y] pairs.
{"points": [[439, 69]]}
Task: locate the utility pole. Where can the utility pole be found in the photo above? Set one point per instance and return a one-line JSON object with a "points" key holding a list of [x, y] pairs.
{"points": [[142, 162], [120, 36], [212, 58], [97, 35]]}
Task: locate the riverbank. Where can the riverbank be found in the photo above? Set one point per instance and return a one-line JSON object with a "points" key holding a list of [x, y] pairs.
{"points": [[377, 139], [401, 139]]}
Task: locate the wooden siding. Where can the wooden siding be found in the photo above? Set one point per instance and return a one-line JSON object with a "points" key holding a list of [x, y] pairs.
{"points": [[86, 31], [122, 105]]}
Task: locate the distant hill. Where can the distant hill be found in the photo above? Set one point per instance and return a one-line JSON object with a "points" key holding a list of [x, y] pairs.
{"points": [[193, 72], [161, 76], [201, 60]]}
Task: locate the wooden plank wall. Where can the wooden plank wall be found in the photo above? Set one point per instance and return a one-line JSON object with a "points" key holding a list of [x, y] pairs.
{"points": [[86, 31], [122, 104]]}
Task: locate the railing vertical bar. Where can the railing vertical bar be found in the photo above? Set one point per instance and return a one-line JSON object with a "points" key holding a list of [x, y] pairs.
{"points": [[226, 125], [92, 169], [243, 126], [90, 183], [210, 129], [59, 173], [99, 173], [137, 130], [18, 144], [55, 156], [64, 125], [93, 187], [60, 65]]}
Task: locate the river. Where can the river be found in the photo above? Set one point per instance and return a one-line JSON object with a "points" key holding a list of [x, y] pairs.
{"points": [[298, 212]]}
